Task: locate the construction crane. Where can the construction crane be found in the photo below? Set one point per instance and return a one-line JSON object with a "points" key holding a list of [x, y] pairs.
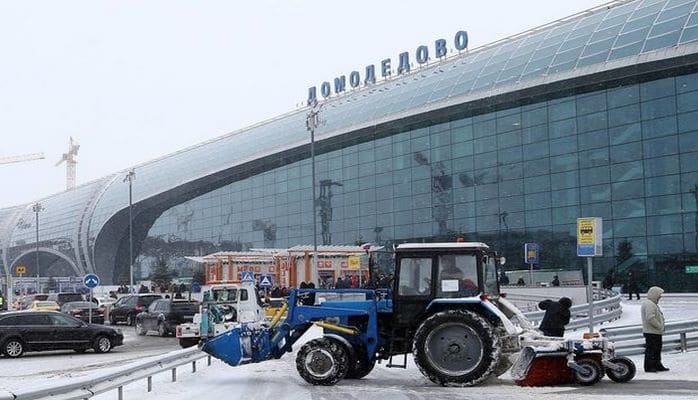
{"points": [[70, 163], [22, 158]]}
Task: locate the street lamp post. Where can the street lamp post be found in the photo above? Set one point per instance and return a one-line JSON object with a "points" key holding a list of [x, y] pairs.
{"points": [[37, 208], [312, 122], [130, 176]]}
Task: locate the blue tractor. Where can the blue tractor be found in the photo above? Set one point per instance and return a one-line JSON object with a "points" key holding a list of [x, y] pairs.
{"points": [[443, 307]]}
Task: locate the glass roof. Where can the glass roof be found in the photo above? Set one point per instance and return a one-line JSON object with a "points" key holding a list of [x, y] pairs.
{"points": [[621, 30]]}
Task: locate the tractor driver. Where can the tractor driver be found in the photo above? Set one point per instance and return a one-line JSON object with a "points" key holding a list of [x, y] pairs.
{"points": [[458, 274]]}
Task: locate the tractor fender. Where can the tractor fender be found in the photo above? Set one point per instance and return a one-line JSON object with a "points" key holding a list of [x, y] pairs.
{"points": [[486, 305], [344, 341]]}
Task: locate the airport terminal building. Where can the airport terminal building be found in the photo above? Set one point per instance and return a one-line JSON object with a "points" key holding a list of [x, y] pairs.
{"points": [[595, 115]]}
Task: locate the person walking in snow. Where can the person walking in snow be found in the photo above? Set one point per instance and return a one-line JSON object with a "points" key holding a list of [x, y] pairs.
{"points": [[653, 329], [633, 286], [557, 315]]}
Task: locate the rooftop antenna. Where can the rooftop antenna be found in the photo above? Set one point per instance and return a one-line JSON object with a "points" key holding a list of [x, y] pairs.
{"points": [[70, 163]]}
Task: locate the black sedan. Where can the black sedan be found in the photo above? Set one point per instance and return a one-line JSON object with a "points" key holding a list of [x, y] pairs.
{"points": [[126, 308], [24, 331], [164, 315], [81, 309]]}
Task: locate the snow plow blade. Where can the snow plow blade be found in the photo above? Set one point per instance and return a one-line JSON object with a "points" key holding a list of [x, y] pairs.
{"points": [[226, 347]]}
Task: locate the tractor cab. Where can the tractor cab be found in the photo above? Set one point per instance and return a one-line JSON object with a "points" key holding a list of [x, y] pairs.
{"points": [[428, 274]]}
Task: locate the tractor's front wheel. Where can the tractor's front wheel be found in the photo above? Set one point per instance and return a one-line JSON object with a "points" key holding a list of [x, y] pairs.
{"points": [[322, 361], [456, 348]]}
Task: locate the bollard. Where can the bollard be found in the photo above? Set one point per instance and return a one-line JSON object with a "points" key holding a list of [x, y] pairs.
{"points": [[150, 384], [684, 342], [193, 366], [174, 374], [209, 361], [121, 393]]}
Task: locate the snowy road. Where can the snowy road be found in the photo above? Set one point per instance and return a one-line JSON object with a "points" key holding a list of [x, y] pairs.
{"points": [[279, 380], [42, 367]]}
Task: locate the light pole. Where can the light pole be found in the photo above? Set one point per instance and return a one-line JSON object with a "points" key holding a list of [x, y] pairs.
{"points": [[130, 177], [37, 208], [312, 122]]}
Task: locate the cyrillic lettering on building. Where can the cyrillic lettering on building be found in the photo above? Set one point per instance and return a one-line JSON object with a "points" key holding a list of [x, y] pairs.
{"points": [[404, 63], [340, 84], [422, 54], [385, 68], [312, 95], [370, 74]]}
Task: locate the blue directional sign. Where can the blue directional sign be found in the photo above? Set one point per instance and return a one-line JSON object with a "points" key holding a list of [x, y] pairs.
{"points": [[266, 281], [90, 281], [247, 276]]}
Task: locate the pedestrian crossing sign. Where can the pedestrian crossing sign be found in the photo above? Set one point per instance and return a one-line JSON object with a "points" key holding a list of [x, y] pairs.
{"points": [[247, 276], [265, 281]]}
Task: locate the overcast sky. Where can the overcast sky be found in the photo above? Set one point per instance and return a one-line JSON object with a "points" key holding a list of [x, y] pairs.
{"points": [[134, 80]]}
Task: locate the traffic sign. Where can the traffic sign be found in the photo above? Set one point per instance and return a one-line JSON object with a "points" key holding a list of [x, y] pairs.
{"points": [[90, 281], [531, 253], [247, 276], [266, 281], [21, 269], [692, 269], [589, 237]]}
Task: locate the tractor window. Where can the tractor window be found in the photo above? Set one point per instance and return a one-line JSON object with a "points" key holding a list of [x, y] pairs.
{"points": [[457, 276], [415, 277], [490, 275]]}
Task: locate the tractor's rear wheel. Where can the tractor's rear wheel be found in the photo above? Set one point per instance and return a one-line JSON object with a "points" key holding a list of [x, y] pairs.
{"points": [[322, 361], [456, 348], [359, 366]]}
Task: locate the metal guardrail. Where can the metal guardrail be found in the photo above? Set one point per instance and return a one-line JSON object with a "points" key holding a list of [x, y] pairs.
{"points": [[87, 387], [606, 310], [529, 302], [678, 336]]}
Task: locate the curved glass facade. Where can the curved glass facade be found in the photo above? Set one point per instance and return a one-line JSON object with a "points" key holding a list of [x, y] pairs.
{"points": [[524, 174], [393, 167]]}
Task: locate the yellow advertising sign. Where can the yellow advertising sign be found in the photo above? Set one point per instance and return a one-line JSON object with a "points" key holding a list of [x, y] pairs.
{"points": [[21, 270], [354, 262], [586, 231]]}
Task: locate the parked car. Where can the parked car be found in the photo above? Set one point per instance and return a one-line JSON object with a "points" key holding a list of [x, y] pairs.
{"points": [[22, 332], [126, 308], [164, 315], [45, 305], [62, 298], [81, 310]]}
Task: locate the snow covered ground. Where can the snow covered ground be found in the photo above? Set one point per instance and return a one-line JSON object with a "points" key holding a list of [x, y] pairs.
{"points": [[279, 380]]}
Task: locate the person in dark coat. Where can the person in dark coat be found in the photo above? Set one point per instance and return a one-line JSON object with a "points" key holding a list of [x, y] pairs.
{"points": [[557, 315], [503, 279], [556, 281], [633, 286], [311, 296]]}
